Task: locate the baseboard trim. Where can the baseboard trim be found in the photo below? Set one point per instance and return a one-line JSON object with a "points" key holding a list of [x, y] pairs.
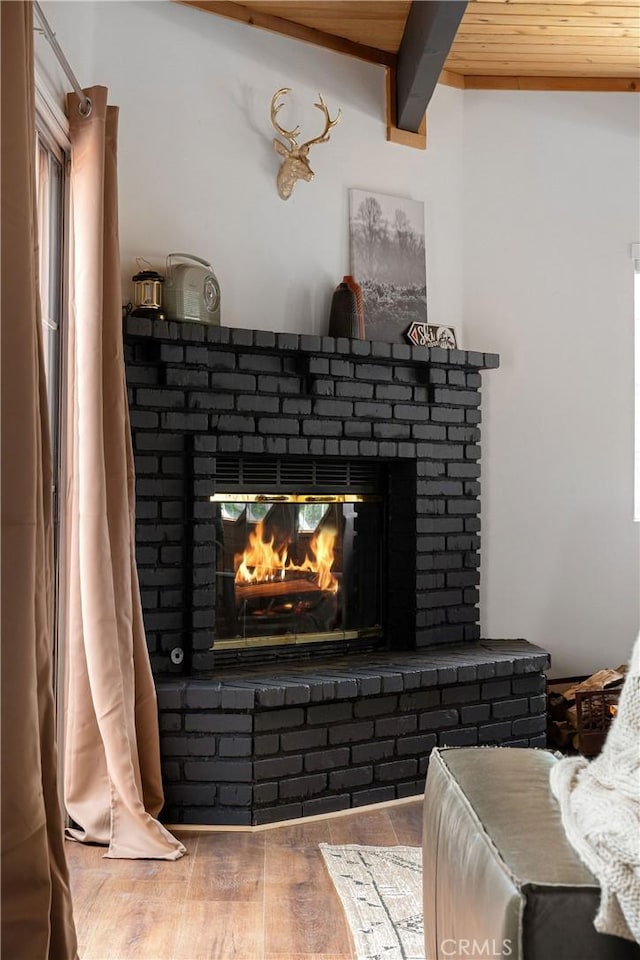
{"points": [[297, 822]]}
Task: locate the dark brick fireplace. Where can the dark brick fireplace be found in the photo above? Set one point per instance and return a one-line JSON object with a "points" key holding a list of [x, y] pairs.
{"points": [[261, 733]]}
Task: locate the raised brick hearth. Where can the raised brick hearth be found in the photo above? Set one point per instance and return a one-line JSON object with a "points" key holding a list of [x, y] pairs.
{"points": [[270, 744], [343, 723]]}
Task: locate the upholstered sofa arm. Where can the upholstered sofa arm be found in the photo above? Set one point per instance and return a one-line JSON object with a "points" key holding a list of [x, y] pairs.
{"points": [[500, 877]]}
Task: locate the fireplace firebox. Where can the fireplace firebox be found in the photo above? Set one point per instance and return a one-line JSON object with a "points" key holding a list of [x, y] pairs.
{"points": [[297, 568]]}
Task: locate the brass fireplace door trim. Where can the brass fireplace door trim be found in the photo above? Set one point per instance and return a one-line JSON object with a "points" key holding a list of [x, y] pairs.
{"points": [[294, 498]]}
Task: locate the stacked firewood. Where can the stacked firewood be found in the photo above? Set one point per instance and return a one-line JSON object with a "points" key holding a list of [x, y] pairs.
{"points": [[580, 713]]}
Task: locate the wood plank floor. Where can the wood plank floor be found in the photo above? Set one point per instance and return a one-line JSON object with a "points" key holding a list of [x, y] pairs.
{"points": [[235, 896]]}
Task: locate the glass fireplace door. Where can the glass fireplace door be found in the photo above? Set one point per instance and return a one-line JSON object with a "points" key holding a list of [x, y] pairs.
{"points": [[296, 568]]}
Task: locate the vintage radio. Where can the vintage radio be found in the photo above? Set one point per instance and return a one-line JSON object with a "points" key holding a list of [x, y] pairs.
{"points": [[191, 290]]}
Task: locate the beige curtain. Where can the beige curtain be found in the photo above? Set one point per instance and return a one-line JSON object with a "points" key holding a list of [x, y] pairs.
{"points": [[37, 921], [113, 788]]}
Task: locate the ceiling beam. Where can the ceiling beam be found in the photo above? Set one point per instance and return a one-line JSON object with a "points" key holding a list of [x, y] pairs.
{"points": [[428, 35], [289, 28]]}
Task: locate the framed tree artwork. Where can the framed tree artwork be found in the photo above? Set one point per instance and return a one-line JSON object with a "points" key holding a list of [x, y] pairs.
{"points": [[388, 260]]}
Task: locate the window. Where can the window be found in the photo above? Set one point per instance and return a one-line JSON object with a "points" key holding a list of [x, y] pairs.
{"points": [[635, 253], [52, 201], [50, 169]]}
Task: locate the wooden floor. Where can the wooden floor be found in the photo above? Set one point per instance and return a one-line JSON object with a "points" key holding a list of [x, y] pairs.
{"points": [[234, 896]]}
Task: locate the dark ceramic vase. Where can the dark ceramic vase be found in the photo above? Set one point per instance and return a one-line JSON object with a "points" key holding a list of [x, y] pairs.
{"points": [[343, 319], [353, 284]]}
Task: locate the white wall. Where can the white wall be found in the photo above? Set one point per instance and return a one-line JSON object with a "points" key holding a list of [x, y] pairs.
{"points": [[73, 24], [551, 204], [197, 168], [538, 191]]}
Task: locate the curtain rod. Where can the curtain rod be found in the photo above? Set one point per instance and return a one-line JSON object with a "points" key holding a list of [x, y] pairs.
{"points": [[85, 105]]}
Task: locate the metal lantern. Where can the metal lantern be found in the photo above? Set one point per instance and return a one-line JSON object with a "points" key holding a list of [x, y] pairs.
{"points": [[147, 294]]}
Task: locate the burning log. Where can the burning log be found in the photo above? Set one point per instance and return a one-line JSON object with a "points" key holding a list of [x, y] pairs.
{"points": [[314, 610], [263, 561], [276, 588]]}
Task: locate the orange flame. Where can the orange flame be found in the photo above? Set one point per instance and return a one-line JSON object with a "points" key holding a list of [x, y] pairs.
{"points": [[262, 562]]}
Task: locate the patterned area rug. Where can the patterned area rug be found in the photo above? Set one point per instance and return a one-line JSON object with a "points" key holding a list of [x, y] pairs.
{"points": [[381, 892]]}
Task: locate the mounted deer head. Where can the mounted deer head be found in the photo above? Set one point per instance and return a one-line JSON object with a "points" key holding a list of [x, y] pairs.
{"points": [[295, 162]]}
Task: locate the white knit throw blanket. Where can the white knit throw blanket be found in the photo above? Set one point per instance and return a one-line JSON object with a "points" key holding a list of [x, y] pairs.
{"points": [[600, 805]]}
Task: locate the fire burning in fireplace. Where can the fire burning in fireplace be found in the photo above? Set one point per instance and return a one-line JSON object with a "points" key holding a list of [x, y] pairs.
{"points": [[262, 561], [297, 568]]}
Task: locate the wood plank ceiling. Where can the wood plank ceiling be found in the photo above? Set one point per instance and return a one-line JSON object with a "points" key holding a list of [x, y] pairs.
{"points": [[587, 40], [564, 44]]}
